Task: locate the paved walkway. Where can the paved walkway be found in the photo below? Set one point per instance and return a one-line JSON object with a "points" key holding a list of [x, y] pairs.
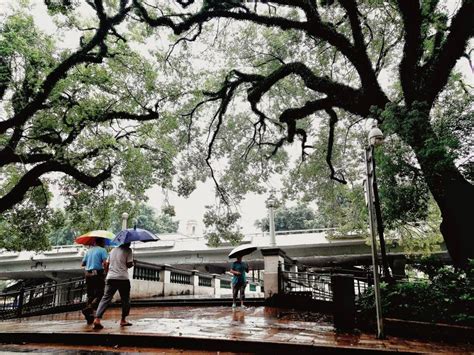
{"points": [[255, 329]]}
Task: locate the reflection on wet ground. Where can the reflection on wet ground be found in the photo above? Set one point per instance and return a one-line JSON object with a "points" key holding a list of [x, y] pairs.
{"points": [[99, 350], [253, 324]]}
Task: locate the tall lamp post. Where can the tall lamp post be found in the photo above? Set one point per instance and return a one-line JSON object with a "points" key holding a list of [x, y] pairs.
{"points": [[124, 220], [375, 139], [271, 204]]}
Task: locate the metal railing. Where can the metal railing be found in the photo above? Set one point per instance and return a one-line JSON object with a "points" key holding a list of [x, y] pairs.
{"points": [[42, 299], [317, 285]]}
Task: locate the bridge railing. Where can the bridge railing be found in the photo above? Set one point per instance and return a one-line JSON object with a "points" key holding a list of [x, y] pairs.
{"points": [[42, 299], [153, 280]]}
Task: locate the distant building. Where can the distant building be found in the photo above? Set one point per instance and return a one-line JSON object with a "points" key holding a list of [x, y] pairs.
{"points": [[191, 227]]}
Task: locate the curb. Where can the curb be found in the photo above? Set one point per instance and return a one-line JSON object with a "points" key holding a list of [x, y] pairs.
{"points": [[189, 343]]}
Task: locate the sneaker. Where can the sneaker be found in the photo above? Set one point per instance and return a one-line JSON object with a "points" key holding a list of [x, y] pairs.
{"points": [[234, 306], [243, 307]]}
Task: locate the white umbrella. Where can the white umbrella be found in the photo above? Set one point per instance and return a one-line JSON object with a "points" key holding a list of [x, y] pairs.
{"points": [[242, 250]]}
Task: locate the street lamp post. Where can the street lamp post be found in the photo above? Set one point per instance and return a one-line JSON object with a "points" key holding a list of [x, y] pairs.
{"points": [[271, 203], [124, 220], [375, 139]]}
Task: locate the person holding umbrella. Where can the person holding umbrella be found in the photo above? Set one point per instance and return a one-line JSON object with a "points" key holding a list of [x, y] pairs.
{"points": [[239, 280], [94, 264], [239, 270], [120, 260]]}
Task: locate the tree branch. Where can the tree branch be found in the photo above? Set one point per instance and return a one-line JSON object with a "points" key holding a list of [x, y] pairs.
{"points": [[437, 70], [409, 65], [332, 125], [83, 55], [31, 179]]}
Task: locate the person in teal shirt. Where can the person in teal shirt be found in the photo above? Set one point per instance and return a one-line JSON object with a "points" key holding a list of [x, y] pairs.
{"points": [[93, 262], [239, 280]]}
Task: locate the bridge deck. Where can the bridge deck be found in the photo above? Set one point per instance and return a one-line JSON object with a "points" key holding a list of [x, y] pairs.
{"points": [[255, 329]]}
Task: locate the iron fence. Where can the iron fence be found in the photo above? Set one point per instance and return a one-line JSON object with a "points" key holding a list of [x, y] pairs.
{"points": [[42, 299], [317, 285]]}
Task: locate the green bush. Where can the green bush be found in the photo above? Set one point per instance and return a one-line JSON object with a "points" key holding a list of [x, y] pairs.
{"points": [[446, 296]]}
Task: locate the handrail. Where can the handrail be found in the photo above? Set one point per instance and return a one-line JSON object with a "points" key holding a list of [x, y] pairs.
{"points": [[42, 298]]}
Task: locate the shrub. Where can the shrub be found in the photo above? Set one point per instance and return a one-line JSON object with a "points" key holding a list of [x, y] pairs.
{"points": [[446, 296]]}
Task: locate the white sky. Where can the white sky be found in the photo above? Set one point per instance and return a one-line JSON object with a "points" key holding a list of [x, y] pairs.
{"points": [[193, 208]]}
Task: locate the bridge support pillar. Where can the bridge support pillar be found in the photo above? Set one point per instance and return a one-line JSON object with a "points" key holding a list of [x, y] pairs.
{"points": [[343, 297], [272, 259], [165, 277]]}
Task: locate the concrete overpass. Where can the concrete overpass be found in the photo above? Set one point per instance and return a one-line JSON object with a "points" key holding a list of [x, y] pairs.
{"points": [[311, 247]]}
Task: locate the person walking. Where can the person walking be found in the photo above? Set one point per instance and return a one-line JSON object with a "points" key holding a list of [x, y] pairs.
{"points": [[94, 264], [120, 260], [239, 281]]}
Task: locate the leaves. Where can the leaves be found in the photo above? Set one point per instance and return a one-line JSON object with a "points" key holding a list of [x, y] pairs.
{"points": [[448, 291]]}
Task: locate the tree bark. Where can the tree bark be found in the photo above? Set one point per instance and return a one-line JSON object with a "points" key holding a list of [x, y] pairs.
{"points": [[452, 192], [454, 196]]}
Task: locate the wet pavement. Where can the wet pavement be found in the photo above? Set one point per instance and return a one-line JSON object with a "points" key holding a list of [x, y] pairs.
{"points": [[205, 328]]}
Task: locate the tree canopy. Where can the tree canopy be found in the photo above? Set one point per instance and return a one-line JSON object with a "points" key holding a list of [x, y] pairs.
{"points": [[282, 72], [337, 54]]}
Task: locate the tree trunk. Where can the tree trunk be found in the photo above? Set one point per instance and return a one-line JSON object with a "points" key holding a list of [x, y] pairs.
{"points": [[455, 198], [452, 192]]}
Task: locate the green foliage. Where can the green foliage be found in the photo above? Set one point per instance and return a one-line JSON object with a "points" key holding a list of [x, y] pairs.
{"points": [[26, 227], [66, 225], [62, 232], [147, 219], [221, 226], [447, 296], [291, 218], [403, 191], [338, 205]]}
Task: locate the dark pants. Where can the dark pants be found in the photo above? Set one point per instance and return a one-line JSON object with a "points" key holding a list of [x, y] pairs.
{"points": [[95, 289], [239, 286], [112, 286]]}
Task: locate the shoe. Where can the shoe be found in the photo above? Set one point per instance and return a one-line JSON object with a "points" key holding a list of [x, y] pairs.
{"points": [[243, 307], [98, 326], [234, 306], [88, 314], [126, 324]]}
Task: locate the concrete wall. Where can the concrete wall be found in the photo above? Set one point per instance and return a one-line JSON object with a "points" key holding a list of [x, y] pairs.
{"points": [[145, 289]]}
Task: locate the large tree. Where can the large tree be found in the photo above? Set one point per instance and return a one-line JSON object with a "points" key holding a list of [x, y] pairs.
{"points": [[338, 53], [77, 106]]}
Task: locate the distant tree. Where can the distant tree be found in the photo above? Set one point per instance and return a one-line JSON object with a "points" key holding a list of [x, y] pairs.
{"points": [[147, 219], [221, 226], [62, 232], [291, 218]]}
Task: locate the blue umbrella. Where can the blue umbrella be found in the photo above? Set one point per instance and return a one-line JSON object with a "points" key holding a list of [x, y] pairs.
{"points": [[135, 235]]}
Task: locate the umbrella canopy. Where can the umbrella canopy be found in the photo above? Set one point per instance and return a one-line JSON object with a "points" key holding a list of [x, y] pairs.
{"points": [[90, 237], [242, 250], [135, 235]]}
